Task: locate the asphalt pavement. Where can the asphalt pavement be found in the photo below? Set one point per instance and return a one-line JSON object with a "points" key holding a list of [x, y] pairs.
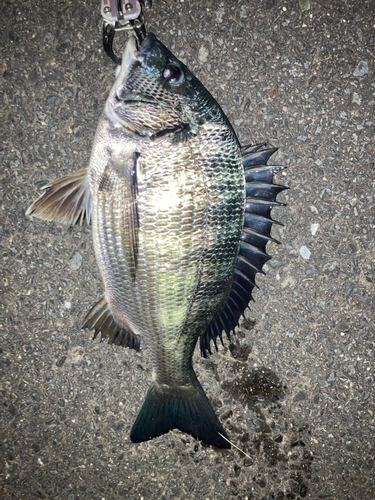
{"points": [[295, 387]]}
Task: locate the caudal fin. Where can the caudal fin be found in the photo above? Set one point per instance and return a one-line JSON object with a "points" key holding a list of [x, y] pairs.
{"points": [[187, 409]]}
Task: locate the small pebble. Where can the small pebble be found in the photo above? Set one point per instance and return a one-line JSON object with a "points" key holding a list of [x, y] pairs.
{"points": [[305, 252], [75, 262], [361, 69], [300, 396], [61, 361]]}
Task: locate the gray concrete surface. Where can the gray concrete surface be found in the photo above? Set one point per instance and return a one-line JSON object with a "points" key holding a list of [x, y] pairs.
{"points": [[295, 388]]}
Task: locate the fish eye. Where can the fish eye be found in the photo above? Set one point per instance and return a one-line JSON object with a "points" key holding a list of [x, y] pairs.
{"points": [[173, 74]]}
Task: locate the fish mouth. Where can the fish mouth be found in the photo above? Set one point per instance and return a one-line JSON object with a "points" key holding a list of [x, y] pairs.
{"points": [[147, 45], [132, 55]]}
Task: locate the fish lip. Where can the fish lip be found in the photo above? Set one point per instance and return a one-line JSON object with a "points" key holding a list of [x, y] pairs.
{"points": [[128, 59], [131, 55], [147, 45]]}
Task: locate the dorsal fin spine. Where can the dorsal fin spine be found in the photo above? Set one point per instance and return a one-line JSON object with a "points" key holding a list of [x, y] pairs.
{"points": [[261, 194]]}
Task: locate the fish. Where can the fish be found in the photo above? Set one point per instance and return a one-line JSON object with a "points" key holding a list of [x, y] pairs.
{"points": [[180, 216]]}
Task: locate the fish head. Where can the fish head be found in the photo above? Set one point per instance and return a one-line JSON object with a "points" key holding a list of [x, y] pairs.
{"points": [[156, 94]]}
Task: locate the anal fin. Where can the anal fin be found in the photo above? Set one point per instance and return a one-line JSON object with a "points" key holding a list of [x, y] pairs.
{"points": [[66, 200], [100, 319]]}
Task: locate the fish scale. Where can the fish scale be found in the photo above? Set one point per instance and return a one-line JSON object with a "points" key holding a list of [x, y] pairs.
{"points": [[150, 247], [181, 217]]}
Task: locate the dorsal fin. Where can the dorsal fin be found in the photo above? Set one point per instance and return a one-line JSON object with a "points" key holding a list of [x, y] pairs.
{"points": [[261, 194]]}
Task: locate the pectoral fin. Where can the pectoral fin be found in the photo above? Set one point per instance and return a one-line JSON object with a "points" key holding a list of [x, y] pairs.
{"points": [[66, 200], [117, 193]]}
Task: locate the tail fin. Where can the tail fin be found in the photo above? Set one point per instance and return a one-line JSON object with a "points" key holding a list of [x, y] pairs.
{"points": [[187, 409]]}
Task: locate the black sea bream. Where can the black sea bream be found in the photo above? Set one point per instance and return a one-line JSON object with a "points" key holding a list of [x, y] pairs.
{"points": [[181, 217]]}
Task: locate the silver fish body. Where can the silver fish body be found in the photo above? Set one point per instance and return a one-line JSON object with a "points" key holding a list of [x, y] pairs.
{"points": [[167, 262], [167, 247], [177, 245]]}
